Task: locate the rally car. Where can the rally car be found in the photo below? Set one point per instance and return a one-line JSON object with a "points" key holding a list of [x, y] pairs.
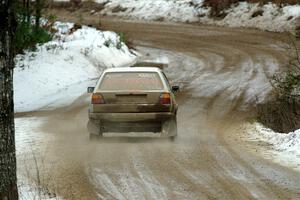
{"points": [[133, 99]]}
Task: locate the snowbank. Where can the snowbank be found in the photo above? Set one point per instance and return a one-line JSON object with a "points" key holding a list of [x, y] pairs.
{"points": [[59, 71], [158, 10], [281, 147], [267, 17]]}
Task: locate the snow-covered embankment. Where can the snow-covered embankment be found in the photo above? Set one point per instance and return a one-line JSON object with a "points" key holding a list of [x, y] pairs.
{"points": [[269, 17], [59, 71], [282, 148]]}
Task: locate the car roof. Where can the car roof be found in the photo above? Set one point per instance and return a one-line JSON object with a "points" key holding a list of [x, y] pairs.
{"points": [[133, 69]]}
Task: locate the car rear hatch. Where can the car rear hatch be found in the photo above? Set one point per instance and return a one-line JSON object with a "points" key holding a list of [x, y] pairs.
{"points": [[131, 92]]}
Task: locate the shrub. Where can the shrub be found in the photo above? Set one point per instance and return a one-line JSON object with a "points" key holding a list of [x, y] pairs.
{"points": [[282, 113], [108, 42], [121, 40], [257, 13], [287, 85], [52, 18], [219, 6], [27, 36]]}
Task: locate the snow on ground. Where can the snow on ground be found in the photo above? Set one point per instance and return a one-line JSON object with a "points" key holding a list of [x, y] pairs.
{"points": [[280, 147], [32, 192], [158, 10], [60, 70], [267, 17], [30, 149], [253, 15], [29, 135]]}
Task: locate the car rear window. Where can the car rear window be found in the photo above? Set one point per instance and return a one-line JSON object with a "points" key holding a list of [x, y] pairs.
{"points": [[131, 81]]}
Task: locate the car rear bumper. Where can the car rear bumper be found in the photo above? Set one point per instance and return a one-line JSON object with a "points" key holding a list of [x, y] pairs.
{"points": [[158, 123], [131, 117]]}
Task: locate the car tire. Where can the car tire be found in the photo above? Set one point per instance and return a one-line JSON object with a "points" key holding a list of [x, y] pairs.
{"points": [[93, 137], [169, 128], [173, 138], [94, 130]]}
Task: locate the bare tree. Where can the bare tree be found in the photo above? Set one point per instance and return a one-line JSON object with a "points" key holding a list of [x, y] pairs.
{"points": [[8, 178], [38, 9], [28, 11]]}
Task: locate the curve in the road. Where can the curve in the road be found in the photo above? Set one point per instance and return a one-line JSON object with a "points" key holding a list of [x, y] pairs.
{"points": [[223, 72]]}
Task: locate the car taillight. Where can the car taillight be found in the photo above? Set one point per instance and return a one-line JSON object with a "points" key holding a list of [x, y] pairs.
{"points": [[165, 98], [97, 99]]}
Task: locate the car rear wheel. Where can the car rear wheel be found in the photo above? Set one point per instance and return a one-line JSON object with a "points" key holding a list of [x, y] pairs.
{"points": [[169, 128], [94, 137], [173, 138], [94, 130]]}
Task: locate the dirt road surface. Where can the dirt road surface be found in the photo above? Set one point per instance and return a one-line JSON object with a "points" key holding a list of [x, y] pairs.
{"points": [[223, 73]]}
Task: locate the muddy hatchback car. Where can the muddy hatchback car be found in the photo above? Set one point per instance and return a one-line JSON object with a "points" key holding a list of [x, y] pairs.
{"points": [[133, 100]]}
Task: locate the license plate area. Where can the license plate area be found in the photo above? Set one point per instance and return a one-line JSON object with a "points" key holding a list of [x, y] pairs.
{"points": [[131, 98], [126, 127]]}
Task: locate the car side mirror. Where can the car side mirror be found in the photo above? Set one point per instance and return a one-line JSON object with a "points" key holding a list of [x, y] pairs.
{"points": [[90, 89], [175, 88]]}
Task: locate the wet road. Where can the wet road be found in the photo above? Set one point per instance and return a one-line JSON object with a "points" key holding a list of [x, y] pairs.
{"points": [[223, 73]]}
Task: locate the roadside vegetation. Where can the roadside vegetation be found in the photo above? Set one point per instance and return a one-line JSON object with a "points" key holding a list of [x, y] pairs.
{"points": [[218, 7], [282, 113], [19, 30], [31, 30], [38, 184]]}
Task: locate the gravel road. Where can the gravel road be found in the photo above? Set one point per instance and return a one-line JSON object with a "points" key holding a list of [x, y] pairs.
{"points": [[223, 73]]}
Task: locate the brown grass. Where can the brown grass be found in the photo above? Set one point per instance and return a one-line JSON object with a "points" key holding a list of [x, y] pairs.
{"points": [[218, 6], [278, 2], [280, 115]]}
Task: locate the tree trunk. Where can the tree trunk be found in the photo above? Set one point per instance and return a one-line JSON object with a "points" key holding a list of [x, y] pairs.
{"points": [[38, 13], [28, 12], [8, 177]]}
